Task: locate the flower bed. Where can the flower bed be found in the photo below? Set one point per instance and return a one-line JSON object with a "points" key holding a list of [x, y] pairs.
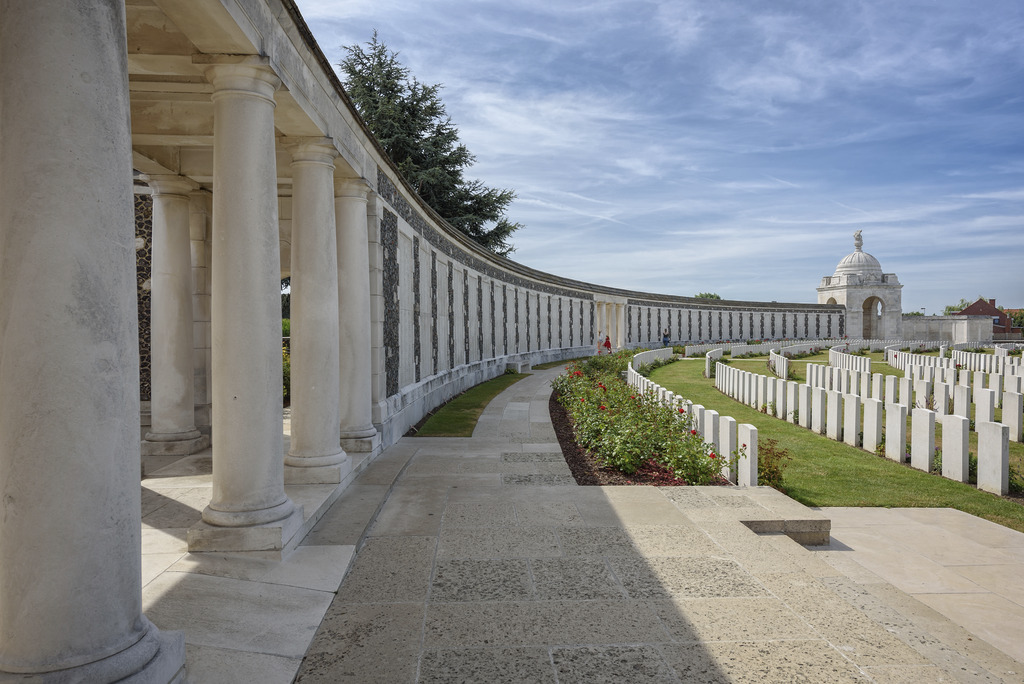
{"points": [[631, 431]]}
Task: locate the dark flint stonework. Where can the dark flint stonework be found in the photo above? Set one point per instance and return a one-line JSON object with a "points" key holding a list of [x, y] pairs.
{"points": [[416, 351], [739, 320], [730, 327], [549, 322], [451, 315], [629, 326], [480, 315], [648, 325], [143, 271], [828, 322], [817, 326], [433, 309], [504, 317], [773, 326], [762, 326], [593, 313], [560, 322], [529, 338], [719, 325], [572, 331], [515, 297], [842, 325], [540, 344], [465, 314], [700, 326], [689, 326], [783, 326], [389, 245], [493, 329], [806, 324]]}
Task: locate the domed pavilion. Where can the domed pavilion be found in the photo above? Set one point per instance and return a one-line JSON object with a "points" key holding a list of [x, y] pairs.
{"points": [[871, 297]]}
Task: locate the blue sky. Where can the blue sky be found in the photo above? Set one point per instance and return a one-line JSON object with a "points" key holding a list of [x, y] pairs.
{"points": [[734, 147]]}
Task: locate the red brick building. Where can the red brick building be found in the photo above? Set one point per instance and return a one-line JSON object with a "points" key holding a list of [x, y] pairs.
{"points": [[1001, 324]]}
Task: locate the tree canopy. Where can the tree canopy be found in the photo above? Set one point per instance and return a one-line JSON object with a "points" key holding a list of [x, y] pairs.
{"points": [[409, 120], [707, 295], [957, 308]]}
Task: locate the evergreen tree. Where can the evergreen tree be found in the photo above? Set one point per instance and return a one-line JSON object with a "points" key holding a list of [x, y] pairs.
{"points": [[409, 120]]}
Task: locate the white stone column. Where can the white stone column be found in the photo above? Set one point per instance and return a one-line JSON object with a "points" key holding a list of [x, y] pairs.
{"points": [[248, 468], [70, 586], [315, 455], [350, 201], [173, 429]]}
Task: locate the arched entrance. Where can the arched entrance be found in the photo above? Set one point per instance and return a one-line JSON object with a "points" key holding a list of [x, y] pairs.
{"points": [[874, 308]]}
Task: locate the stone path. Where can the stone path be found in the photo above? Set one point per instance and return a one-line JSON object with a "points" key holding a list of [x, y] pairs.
{"points": [[480, 560]]}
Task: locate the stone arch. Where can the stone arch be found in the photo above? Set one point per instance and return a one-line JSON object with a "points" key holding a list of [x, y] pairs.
{"points": [[873, 310], [831, 300]]}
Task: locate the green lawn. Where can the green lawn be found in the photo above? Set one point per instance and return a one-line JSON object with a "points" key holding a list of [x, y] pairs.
{"points": [[458, 417], [823, 472]]}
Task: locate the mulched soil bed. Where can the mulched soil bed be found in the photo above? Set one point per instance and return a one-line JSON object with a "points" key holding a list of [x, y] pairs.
{"points": [[588, 471]]}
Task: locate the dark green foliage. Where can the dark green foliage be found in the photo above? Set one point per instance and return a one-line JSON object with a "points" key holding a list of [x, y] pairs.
{"points": [[707, 295], [409, 120]]}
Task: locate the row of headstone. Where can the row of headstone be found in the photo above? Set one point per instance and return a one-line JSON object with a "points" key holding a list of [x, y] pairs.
{"points": [[868, 423], [989, 363], [840, 359], [922, 390], [779, 364], [723, 432]]}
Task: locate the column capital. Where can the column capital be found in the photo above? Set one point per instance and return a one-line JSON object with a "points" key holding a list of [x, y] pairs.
{"points": [[353, 188], [311, 150], [170, 184], [242, 74]]}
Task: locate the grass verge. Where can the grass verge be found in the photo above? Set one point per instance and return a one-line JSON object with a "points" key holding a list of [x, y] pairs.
{"points": [[458, 417], [823, 472], [556, 364]]}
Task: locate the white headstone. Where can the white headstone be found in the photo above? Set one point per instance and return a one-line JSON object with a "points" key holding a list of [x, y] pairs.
{"points": [[851, 419], [993, 457], [872, 424], [922, 439], [746, 466], [834, 416], [895, 431], [956, 432]]}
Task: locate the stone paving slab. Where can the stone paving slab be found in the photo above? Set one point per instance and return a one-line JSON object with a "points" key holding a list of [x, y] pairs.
{"points": [[474, 563]]}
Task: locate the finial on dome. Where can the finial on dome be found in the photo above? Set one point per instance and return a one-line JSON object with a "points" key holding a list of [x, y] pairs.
{"points": [[858, 241]]}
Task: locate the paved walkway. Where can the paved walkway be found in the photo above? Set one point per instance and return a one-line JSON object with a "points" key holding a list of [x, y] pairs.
{"points": [[480, 560]]}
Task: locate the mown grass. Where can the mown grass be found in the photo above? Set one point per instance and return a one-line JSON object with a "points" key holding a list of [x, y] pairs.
{"points": [[458, 417], [823, 472]]}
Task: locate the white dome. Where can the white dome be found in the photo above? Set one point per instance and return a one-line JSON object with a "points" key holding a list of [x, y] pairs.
{"points": [[859, 262]]}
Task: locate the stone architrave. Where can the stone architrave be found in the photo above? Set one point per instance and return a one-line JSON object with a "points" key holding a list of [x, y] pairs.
{"points": [[70, 571], [746, 466], [834, 415], [819, 401], [895, 431], [248, 471], [922, 439], [956, 432], [804, 402], [1013, 414], [984, 405], [358, 433], [726, 444], [993, 457], [872, 424], [172, 400], [851, 419], [315, 455]]}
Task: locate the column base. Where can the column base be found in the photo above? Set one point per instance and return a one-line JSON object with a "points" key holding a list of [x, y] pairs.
{"points": [[268, 537], [158, 657], [333, 473], [182, 447], [361, 445]]}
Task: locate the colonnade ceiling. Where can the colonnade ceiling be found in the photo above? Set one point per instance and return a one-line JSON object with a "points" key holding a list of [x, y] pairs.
{"points": [[169, 44]]}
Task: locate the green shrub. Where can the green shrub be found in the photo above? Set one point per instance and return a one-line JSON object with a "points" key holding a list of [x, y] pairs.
{"points": [[286, 327], [286, 362], [624, 428], [771, 461]]}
